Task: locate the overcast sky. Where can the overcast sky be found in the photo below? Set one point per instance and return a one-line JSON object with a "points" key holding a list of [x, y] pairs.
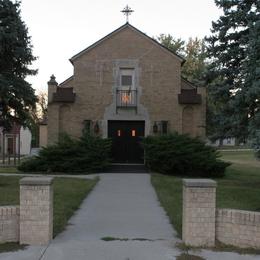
{"points": [[62, 28]]}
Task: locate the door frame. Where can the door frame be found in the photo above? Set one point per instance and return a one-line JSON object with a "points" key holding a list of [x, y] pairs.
{"points": [[129, 121]]}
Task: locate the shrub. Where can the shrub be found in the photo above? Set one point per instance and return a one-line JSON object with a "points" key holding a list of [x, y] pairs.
{"points": [[88, 154], [177, 154]]}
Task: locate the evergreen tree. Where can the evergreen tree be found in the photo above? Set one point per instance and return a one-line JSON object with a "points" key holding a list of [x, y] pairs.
{"points": [[229, 50], [17, 96], [251, 88]]}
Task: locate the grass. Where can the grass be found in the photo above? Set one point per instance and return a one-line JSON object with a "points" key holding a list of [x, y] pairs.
{"points": [[8, 169], [68, 195], [239, 189]]}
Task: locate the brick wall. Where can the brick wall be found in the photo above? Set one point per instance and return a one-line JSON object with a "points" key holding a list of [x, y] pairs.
{"points": [[238, 227], [9, 224], [199, 203], [36, 210], [95, 78]]}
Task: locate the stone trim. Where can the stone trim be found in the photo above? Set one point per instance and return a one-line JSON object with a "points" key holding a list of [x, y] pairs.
{"points": [[199, 183], [36, 181]]}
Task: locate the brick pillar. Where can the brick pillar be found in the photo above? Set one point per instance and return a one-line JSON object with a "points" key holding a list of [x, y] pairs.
{"points": [[36, 210], [199, 207]]}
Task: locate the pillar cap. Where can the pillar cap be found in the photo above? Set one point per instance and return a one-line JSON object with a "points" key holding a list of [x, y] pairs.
{"points": [[199, 183], [36, 181], [52, 81]]}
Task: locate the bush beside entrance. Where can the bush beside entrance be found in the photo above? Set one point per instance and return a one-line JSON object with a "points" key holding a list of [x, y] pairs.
{"points": [[87, 154], [176, 154]]}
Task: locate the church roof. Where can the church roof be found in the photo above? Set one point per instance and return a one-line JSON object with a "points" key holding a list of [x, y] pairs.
{"points": [[118, 30]]}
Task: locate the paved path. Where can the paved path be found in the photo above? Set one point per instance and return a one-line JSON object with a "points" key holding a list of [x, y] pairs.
{"points": [[121, 206]]}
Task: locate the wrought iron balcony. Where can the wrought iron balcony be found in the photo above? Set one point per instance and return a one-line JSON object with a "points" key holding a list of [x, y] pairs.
{"points": [[126, 98]]}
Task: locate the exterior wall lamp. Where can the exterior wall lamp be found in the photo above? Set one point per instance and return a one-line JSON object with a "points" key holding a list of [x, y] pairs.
{"points": [[96, 128], [155, 128]]}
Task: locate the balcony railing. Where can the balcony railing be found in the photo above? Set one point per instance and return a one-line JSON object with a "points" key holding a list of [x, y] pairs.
{"points": [[126, 98]]}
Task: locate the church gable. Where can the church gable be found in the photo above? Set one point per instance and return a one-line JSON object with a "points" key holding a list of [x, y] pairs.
{"points": [[126, 36]]}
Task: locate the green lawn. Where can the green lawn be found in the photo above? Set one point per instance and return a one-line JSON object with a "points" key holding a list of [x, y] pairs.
{"points": [[68, 195], [239, 189], [8, 170]]}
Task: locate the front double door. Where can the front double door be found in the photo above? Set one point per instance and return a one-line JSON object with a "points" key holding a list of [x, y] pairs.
{"points": [[126, 141]]}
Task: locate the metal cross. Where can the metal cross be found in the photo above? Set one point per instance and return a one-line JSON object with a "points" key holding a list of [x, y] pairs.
{"points": [[127, 11]]}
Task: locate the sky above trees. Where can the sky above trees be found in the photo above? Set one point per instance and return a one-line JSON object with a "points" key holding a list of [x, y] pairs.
{"points": [[60, 29]]}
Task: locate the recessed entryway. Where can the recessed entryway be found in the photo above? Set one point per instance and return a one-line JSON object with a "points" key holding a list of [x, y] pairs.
{"points": [[126, 141]]}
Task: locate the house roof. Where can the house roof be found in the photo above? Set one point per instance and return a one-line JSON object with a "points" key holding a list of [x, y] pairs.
{"points": [[126, 25], [66, 80], [185, 84], [15, 129]]}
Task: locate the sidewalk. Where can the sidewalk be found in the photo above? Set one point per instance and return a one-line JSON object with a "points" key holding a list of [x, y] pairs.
{"points": [[122, 206]]}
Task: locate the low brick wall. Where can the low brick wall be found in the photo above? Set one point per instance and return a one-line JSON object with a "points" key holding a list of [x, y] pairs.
{"points": [[9, 224], [238, 227], [198, 218]]}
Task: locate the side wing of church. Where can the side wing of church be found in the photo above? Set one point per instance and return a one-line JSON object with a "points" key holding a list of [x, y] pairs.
{"points": [[125, 86]]}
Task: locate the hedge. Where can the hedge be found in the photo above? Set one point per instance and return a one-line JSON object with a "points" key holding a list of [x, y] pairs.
{"points": [[176, 154], [87, 154]]}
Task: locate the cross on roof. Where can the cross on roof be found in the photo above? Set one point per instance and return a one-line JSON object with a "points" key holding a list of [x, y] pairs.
{"points": [[127, 11]]}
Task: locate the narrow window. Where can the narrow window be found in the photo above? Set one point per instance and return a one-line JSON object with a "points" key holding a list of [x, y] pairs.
{"points": [[133, 133], [86, 126], [164, 127], [126, 77], [126, 80], [118, 132]]}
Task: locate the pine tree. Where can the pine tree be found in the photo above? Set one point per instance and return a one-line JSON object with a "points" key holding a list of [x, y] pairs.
{"points": [[229, 50], [17, 97], [251, 89]]}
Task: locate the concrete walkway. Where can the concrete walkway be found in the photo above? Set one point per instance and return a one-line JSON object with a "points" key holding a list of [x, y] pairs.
{"points": [[122, 206]]}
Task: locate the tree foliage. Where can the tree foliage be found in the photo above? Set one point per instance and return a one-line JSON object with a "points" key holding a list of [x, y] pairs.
{"points": [[233, 76], [17, 96], [173, 44], [194, 52]]}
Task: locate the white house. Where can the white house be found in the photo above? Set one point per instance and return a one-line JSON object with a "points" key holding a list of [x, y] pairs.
{"points": [[17, 140]]}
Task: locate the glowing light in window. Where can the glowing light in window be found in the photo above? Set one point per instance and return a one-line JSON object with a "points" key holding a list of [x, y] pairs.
{"points": [[133, 133], [118, 132], [126, 98]]}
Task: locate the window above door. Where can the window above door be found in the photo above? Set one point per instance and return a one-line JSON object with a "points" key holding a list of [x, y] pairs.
{"points": [[127, 78]]}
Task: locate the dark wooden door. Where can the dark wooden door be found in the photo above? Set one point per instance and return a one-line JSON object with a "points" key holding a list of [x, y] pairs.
{"points": [[126, 141]]}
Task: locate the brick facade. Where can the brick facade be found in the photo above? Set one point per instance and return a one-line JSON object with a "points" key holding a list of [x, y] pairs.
{"points": [[36, 210], [198, 219], [238, 228], [9, 224], [157, 80]]}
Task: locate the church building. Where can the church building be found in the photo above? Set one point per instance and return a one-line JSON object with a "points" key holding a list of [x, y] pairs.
{"points": [[125, 86]]}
